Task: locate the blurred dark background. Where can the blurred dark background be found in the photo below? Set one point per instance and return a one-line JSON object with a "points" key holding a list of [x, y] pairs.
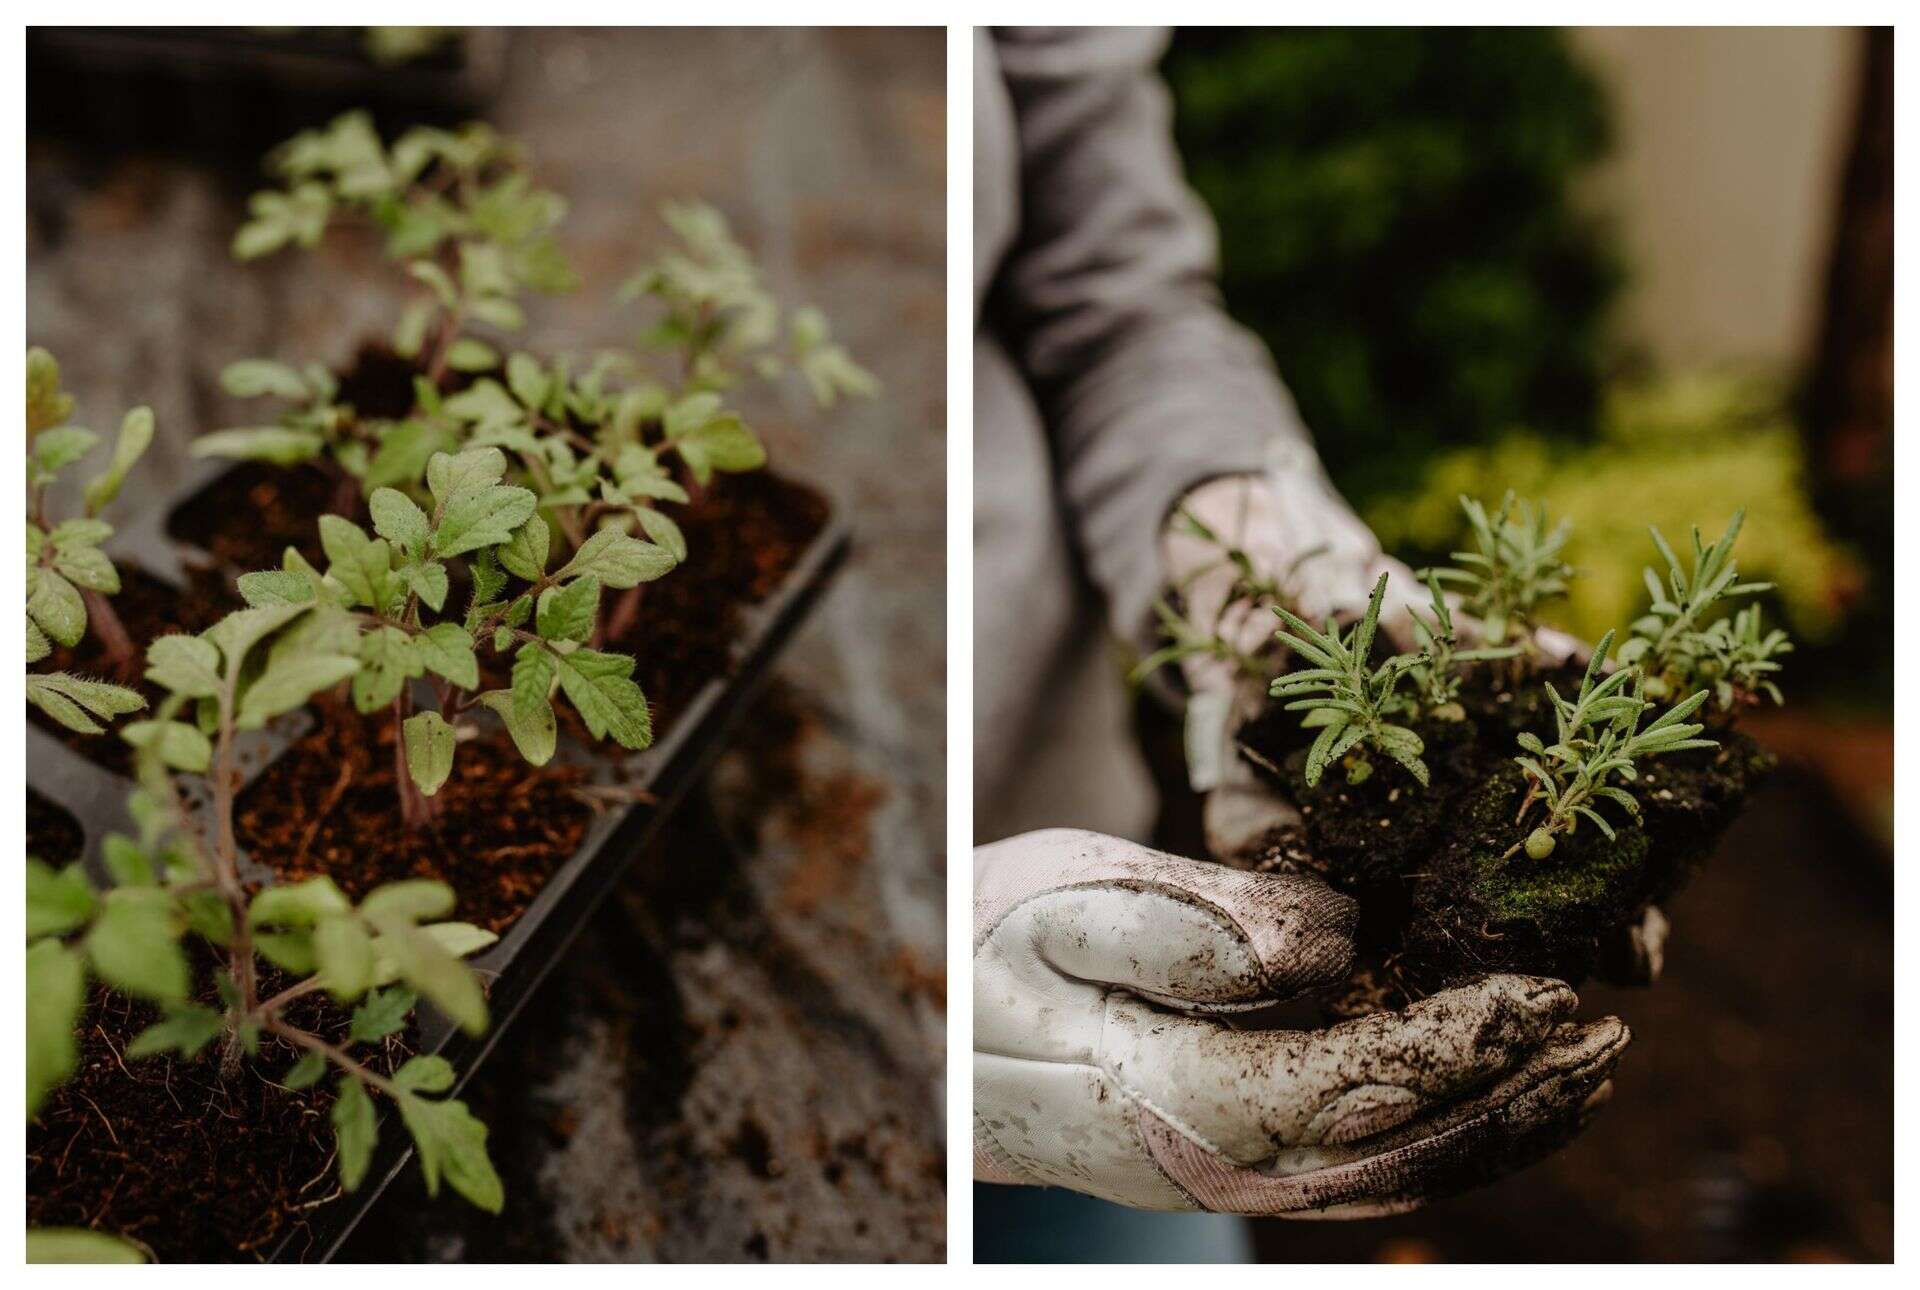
{"points": [[741, 1058], [1645, 275]]}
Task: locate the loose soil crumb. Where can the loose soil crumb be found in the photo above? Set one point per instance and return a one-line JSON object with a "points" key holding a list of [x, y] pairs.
{"points": [[328, 807], [1439, 903], [149, 608], [164, 1151]]}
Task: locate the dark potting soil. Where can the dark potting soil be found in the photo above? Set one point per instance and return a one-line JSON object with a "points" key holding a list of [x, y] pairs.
{"points": [[148, 608], [1438, 902], [327, 806], [53, 835], [163, 1150]]}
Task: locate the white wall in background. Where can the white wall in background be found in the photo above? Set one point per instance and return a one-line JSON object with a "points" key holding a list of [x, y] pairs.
{"points": [[1728, 149]]}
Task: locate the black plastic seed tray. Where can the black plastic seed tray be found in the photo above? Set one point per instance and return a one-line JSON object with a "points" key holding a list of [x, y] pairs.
{"points": [[515, 966]]}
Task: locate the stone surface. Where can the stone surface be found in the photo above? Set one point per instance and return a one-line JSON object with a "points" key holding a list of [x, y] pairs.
{"points": [[741, 1057]]}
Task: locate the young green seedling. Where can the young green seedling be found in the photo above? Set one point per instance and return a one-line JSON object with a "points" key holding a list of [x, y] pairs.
{"points": [[1679, 649], [460, 210], [179, 876], [1598, 739], [382, 599], [1347, 698], [1516, 568], [69, 577], [1435, 671]]}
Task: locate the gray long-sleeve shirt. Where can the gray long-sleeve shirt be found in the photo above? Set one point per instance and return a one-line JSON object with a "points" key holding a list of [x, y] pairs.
{"points": [[1107, 382]]}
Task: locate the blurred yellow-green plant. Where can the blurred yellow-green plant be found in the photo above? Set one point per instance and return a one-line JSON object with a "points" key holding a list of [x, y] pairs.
{"points": [[1674, 452]]}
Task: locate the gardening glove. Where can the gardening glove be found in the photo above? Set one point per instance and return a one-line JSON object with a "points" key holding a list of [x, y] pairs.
{"points": [[1105, 975]]}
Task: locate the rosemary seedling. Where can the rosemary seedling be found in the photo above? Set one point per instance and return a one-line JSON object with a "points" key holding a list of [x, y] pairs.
{"points": [[180, 876], [1516, 569], [69, 577], [1345, 697], [1597, 740], [1435, 669], [1680, 645]]}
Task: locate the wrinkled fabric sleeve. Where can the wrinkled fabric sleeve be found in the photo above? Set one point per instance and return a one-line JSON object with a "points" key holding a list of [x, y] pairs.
{"points": [[1109, 302]]}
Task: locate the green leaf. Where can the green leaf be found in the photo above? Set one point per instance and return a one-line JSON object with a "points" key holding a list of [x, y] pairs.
{"points": [[443, 980], [79, 1245], [601, 689], [388, 660], [69, 699], [136, 433], [404, 452], [129, 864], [343, 953], [276, 587], [276, 445], [355, 1131], [452, 476], [413, 900], [186, 665], [452, 1142], [56, 989], [482, 517], [361, 564], [86, 566], [533, 671], [429, 743], [470, 355], [617, 560], [425, 1074], [253, 378], [398, 520], [56, 449], [298, 904], [180, 746], [289, 682], [134, 945], [567, 613], [58, 901], [305, 1073], [188, 1028], [529, 384], [47, 406], [381, 1013], [38, 646], [535, 733], [55, 605], [525, 555], [447, 650], [664, 531], [427, 581]]}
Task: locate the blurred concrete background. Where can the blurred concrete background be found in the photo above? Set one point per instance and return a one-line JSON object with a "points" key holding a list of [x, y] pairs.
{"points": [[741, 1057]]}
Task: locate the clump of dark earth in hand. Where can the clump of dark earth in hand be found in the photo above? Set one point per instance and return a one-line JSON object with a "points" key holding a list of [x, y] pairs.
{"points": [[1441, 901]]}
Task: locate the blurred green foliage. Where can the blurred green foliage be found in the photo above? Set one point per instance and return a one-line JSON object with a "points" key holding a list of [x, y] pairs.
{"points": [[1396, 223], [1673, 453]]}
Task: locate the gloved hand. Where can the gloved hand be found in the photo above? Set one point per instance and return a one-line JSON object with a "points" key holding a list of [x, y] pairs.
{"points": [[1299, 532], [1104, 975]]}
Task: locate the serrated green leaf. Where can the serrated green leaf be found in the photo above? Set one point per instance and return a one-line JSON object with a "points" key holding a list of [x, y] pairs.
{"points": [[425, 1074], [186, 665], [287, 683], [397, 519], [453, 476], [535, 733], [601, 689], [482, 517], [447, 650], [187, 1029], [54, 604], [381, 1013], [525, 555], [617, 560], [179, 745], [567, 613], [452, 1142], [389, 658]]}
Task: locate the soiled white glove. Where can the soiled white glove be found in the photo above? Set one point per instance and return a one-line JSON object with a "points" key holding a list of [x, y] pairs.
{"points": [[1103, 975]]}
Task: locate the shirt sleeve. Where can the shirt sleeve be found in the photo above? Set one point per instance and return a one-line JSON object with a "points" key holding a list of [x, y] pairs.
{"points": [[1109, 302]]}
